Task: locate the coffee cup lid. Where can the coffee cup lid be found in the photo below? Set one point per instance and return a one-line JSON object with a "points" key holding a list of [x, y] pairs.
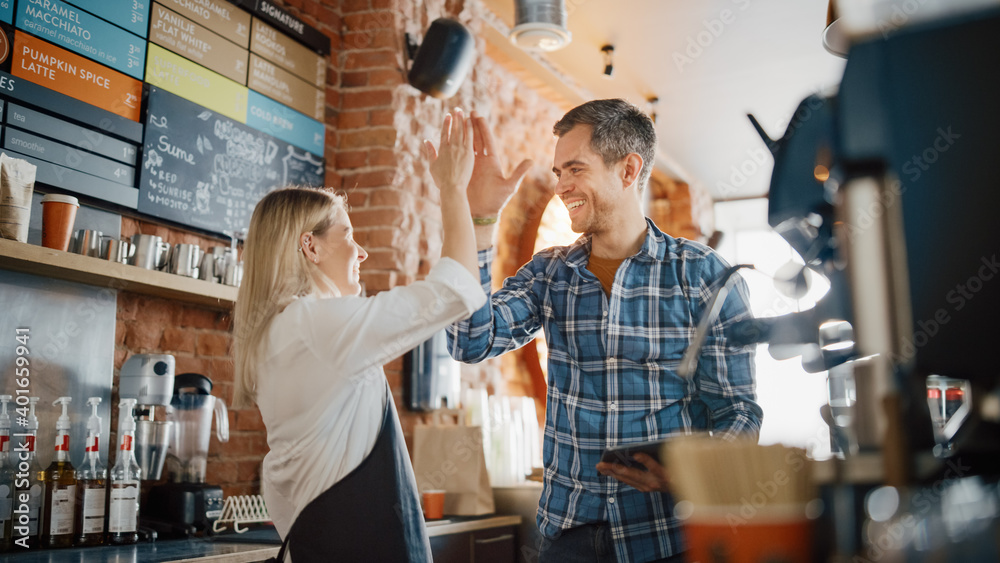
{"points": [[61, 199]]}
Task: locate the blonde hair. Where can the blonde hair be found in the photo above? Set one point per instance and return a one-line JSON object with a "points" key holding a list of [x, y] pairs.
{"points": [[276, 272]]}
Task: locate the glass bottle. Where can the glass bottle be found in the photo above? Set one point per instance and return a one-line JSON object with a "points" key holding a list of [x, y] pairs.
{"points": [[92, 485], [123, 502], [58, 504], [6, 480]]}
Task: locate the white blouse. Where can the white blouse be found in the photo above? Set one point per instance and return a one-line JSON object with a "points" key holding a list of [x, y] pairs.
{"points": [[321, 388]]}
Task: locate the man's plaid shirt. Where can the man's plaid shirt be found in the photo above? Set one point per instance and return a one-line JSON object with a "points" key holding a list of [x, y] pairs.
{"points": [[612, 373]]}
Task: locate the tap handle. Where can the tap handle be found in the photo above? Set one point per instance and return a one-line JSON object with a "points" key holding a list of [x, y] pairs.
{"points": [[689, 363]]}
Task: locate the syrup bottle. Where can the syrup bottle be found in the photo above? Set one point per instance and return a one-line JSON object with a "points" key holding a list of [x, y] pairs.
{"points": [[59, 501], [91, 486], [6, 480], [123, 503]]}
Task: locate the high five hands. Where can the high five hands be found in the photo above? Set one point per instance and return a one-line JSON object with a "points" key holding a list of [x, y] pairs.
{"points": [[490, 189], [451, 164]]}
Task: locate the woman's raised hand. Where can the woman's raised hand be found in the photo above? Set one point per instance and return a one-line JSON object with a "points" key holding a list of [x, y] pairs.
{"points": [[451, 164]]}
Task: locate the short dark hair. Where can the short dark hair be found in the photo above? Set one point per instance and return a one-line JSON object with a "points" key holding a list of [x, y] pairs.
{"points": [[618, 128]]}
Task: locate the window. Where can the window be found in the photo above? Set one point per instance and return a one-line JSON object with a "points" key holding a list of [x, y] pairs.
{"points": [[791, 397]]}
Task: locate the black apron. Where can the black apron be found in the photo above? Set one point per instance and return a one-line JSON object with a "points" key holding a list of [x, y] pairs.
{"points": [[372, 515]]}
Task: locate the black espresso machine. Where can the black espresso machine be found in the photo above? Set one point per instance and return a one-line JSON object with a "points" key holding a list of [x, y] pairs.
{"points": [[891, 190]]}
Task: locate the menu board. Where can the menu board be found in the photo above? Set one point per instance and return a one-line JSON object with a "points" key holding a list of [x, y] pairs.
{"points": [[273, 81], [76, 146], [218, 15], [57, 69], [132, 15], [217, 93], [94, 118], [68, 133], [267, 115], [288, 24], [184, 37], [203, 169], [182, 77], [147, 104], [282, 50], [83, 33]]}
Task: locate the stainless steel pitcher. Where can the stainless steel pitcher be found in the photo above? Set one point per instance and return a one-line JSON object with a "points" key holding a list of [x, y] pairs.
{"points": [[87, 242], [115, 250], [213, 263], [185, 259], [150, 252]]}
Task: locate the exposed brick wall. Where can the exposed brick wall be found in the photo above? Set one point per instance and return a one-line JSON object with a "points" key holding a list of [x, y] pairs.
{"points": [[395, 205]]}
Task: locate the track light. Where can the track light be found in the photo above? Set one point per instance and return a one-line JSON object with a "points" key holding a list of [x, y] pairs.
{"points": [[609, 62], [652, 101]]}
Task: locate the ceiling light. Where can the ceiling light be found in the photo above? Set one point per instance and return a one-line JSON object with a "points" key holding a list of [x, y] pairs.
{"points": [[609, 60], [652, 101], [540, 25]]}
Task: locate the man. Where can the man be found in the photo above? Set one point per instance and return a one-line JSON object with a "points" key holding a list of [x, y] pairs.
{"points": [[619, 308]]}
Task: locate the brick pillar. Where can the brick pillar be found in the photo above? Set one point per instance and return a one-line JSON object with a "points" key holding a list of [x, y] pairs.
{"points": [[380, 123]]}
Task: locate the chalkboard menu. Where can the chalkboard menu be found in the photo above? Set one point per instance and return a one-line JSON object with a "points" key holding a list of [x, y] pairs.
{"points": [[203, 169]]}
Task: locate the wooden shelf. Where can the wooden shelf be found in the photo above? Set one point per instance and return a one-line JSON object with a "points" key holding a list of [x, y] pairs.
{"points": [[41, 261]]}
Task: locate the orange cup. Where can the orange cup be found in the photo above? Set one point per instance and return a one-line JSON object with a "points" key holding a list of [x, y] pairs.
{"points": [[58, 217], [761, 537], [433, 505]]}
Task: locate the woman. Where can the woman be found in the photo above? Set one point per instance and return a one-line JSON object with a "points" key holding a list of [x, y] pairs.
{"points": [[310, 350]]}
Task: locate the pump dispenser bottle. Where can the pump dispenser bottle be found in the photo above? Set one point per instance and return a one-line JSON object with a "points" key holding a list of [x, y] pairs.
{"points": [[6, 479], [91, 485], [58, 506], [123, 504], [27, 482]]}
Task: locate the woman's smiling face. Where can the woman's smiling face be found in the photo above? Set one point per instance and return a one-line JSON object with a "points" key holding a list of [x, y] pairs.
{"points": [[339, 256]]}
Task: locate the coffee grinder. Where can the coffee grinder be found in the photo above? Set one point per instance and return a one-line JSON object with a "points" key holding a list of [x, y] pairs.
{"points": [[149, 379], [186, 505]]}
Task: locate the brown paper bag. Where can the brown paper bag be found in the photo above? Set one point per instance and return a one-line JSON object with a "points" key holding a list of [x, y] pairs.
{"points": [[17, 182], [450, 458]]}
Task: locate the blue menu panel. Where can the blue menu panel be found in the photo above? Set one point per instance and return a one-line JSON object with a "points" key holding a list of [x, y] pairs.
{"points": [[281, 121], [7, 11], [83, 33], [132, 15]]}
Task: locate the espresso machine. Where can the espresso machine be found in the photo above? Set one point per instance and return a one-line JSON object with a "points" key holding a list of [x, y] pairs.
{"points": [[889, 190], [185, 505]]}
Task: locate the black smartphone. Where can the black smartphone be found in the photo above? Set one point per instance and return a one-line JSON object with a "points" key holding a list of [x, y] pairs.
{"points": [[623, 454]]}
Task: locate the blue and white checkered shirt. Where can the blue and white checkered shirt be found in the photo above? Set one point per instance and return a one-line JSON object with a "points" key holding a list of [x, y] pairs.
{"points": [[612, 373]]}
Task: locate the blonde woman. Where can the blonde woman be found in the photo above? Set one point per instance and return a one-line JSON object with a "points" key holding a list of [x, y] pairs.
{"points": [[309, 352]]}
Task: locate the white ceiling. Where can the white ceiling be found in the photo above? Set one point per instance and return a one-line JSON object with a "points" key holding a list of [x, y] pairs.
{"points": [[709, 62]]}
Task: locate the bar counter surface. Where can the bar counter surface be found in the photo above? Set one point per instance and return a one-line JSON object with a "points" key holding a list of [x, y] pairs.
{"points": [[254, 545]]}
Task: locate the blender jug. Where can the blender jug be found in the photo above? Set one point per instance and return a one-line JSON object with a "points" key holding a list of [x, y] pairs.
{"points": [[192, 409]]}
